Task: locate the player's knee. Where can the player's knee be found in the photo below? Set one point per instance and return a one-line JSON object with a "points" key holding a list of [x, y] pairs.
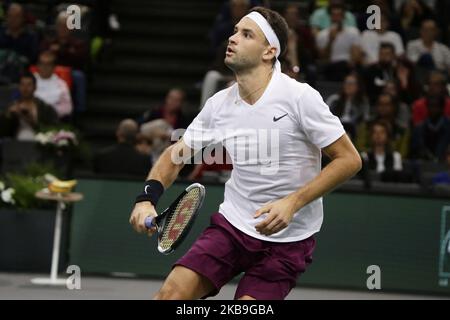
{"points": [[246, 297], [170, 292]]}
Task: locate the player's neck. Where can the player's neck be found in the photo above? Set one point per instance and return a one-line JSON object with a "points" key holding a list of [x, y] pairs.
{"points": [[253, 83]]}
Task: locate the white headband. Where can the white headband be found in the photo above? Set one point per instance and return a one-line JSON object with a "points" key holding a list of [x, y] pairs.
{"points": [[266, 29], [268, 33]]}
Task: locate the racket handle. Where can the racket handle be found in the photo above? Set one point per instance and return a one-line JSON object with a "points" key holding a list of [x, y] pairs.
{"points": [[149, 222]]}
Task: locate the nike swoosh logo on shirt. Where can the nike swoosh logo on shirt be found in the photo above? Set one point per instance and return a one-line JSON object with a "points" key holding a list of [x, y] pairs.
{"points": [[276, 119]]}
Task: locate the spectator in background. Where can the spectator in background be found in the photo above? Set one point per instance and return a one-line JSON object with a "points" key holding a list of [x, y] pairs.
{"points": [[380, 158], [413, 13], [123, 158], [432, 137], [426, 52], [371, 40], [24, 118], [338, 45], [50, 88], [18, 45], [15, 36], [404, 112], [387, 112], [442, 8], [70, 52], [351, 104], [159, 132], [224, 24], [321, 19], [301, 49], [143, 144], [436, 88], [171, 111], [444, 176], [387, 10], [387, 69]]}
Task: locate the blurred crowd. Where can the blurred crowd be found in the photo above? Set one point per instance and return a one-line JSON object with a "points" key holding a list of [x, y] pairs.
{"points": [[389, 85]]}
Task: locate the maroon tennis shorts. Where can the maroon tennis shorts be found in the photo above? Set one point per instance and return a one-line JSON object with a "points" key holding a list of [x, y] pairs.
{"points": [[270, 268]]}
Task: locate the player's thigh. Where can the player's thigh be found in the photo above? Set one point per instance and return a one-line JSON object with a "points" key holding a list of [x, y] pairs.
{"points": [[184, 284]]}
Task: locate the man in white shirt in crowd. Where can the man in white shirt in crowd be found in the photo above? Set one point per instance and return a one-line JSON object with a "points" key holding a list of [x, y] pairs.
{"points": [[371, 40], [272, 204], [51, 88], [426, 51], [339, 45]]}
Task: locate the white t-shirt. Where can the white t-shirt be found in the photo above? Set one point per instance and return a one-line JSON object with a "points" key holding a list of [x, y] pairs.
{"points": [[439, 52], [342, 45], [371, 40], [299, 123], [55, 92]]}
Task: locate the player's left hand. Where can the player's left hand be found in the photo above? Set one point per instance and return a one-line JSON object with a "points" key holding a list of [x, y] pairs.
{"points": [[279, 215]]}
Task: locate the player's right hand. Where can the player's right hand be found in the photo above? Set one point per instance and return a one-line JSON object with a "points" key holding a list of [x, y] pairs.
{"points": [[137, 219]]}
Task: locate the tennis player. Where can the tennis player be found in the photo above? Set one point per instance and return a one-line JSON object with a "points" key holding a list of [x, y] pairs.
{"points": [[272, 205]]}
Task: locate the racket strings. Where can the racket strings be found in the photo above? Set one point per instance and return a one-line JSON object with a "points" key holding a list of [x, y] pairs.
{"points": [[180, 218]]}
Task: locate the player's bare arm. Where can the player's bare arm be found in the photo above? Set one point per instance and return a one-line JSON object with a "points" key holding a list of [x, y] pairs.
{"points": [[345, 163], [166, 171]]}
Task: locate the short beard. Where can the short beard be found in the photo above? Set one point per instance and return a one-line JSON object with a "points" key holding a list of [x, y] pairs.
{"points": [[240, 65]]}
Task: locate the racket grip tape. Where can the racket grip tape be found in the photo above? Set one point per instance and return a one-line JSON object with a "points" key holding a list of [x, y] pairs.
{"points": [[149, 222]]}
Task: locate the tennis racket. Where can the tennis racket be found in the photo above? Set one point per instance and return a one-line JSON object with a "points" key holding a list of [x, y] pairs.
{"points": [[174, 223]]}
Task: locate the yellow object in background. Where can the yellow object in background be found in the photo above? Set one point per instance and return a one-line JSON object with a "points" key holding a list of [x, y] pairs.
{"points": [[59, 186]]}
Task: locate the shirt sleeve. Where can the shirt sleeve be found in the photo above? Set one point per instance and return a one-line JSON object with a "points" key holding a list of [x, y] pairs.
{"points": [[412, 52], [320, 126], [64, 105], [322, 39], [200, 133], [399, 48]]}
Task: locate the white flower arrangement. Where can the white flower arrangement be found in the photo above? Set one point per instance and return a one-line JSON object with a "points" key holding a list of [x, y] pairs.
{"points": [[6, 194], [59, 138]]}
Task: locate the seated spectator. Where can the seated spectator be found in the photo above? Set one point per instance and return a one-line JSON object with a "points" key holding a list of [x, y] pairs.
{"points": [[404, 112], [159, 131], [380, 158], [26, 116], [371, 40], [70, 52], [18, 45], [171, 111], [350, 105], [432, 137], [387, 9], [143, 144], [413, 13], [50, 88], [436, 88], [387, 69], [387, 112], [442, 8], [123, 158], [444, 176], [321, 19], [426, 52], [339, 46], [301, 48]]}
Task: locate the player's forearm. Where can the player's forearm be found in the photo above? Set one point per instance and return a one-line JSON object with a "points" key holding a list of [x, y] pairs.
{"points": [[165, 170], [338, 171]]}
